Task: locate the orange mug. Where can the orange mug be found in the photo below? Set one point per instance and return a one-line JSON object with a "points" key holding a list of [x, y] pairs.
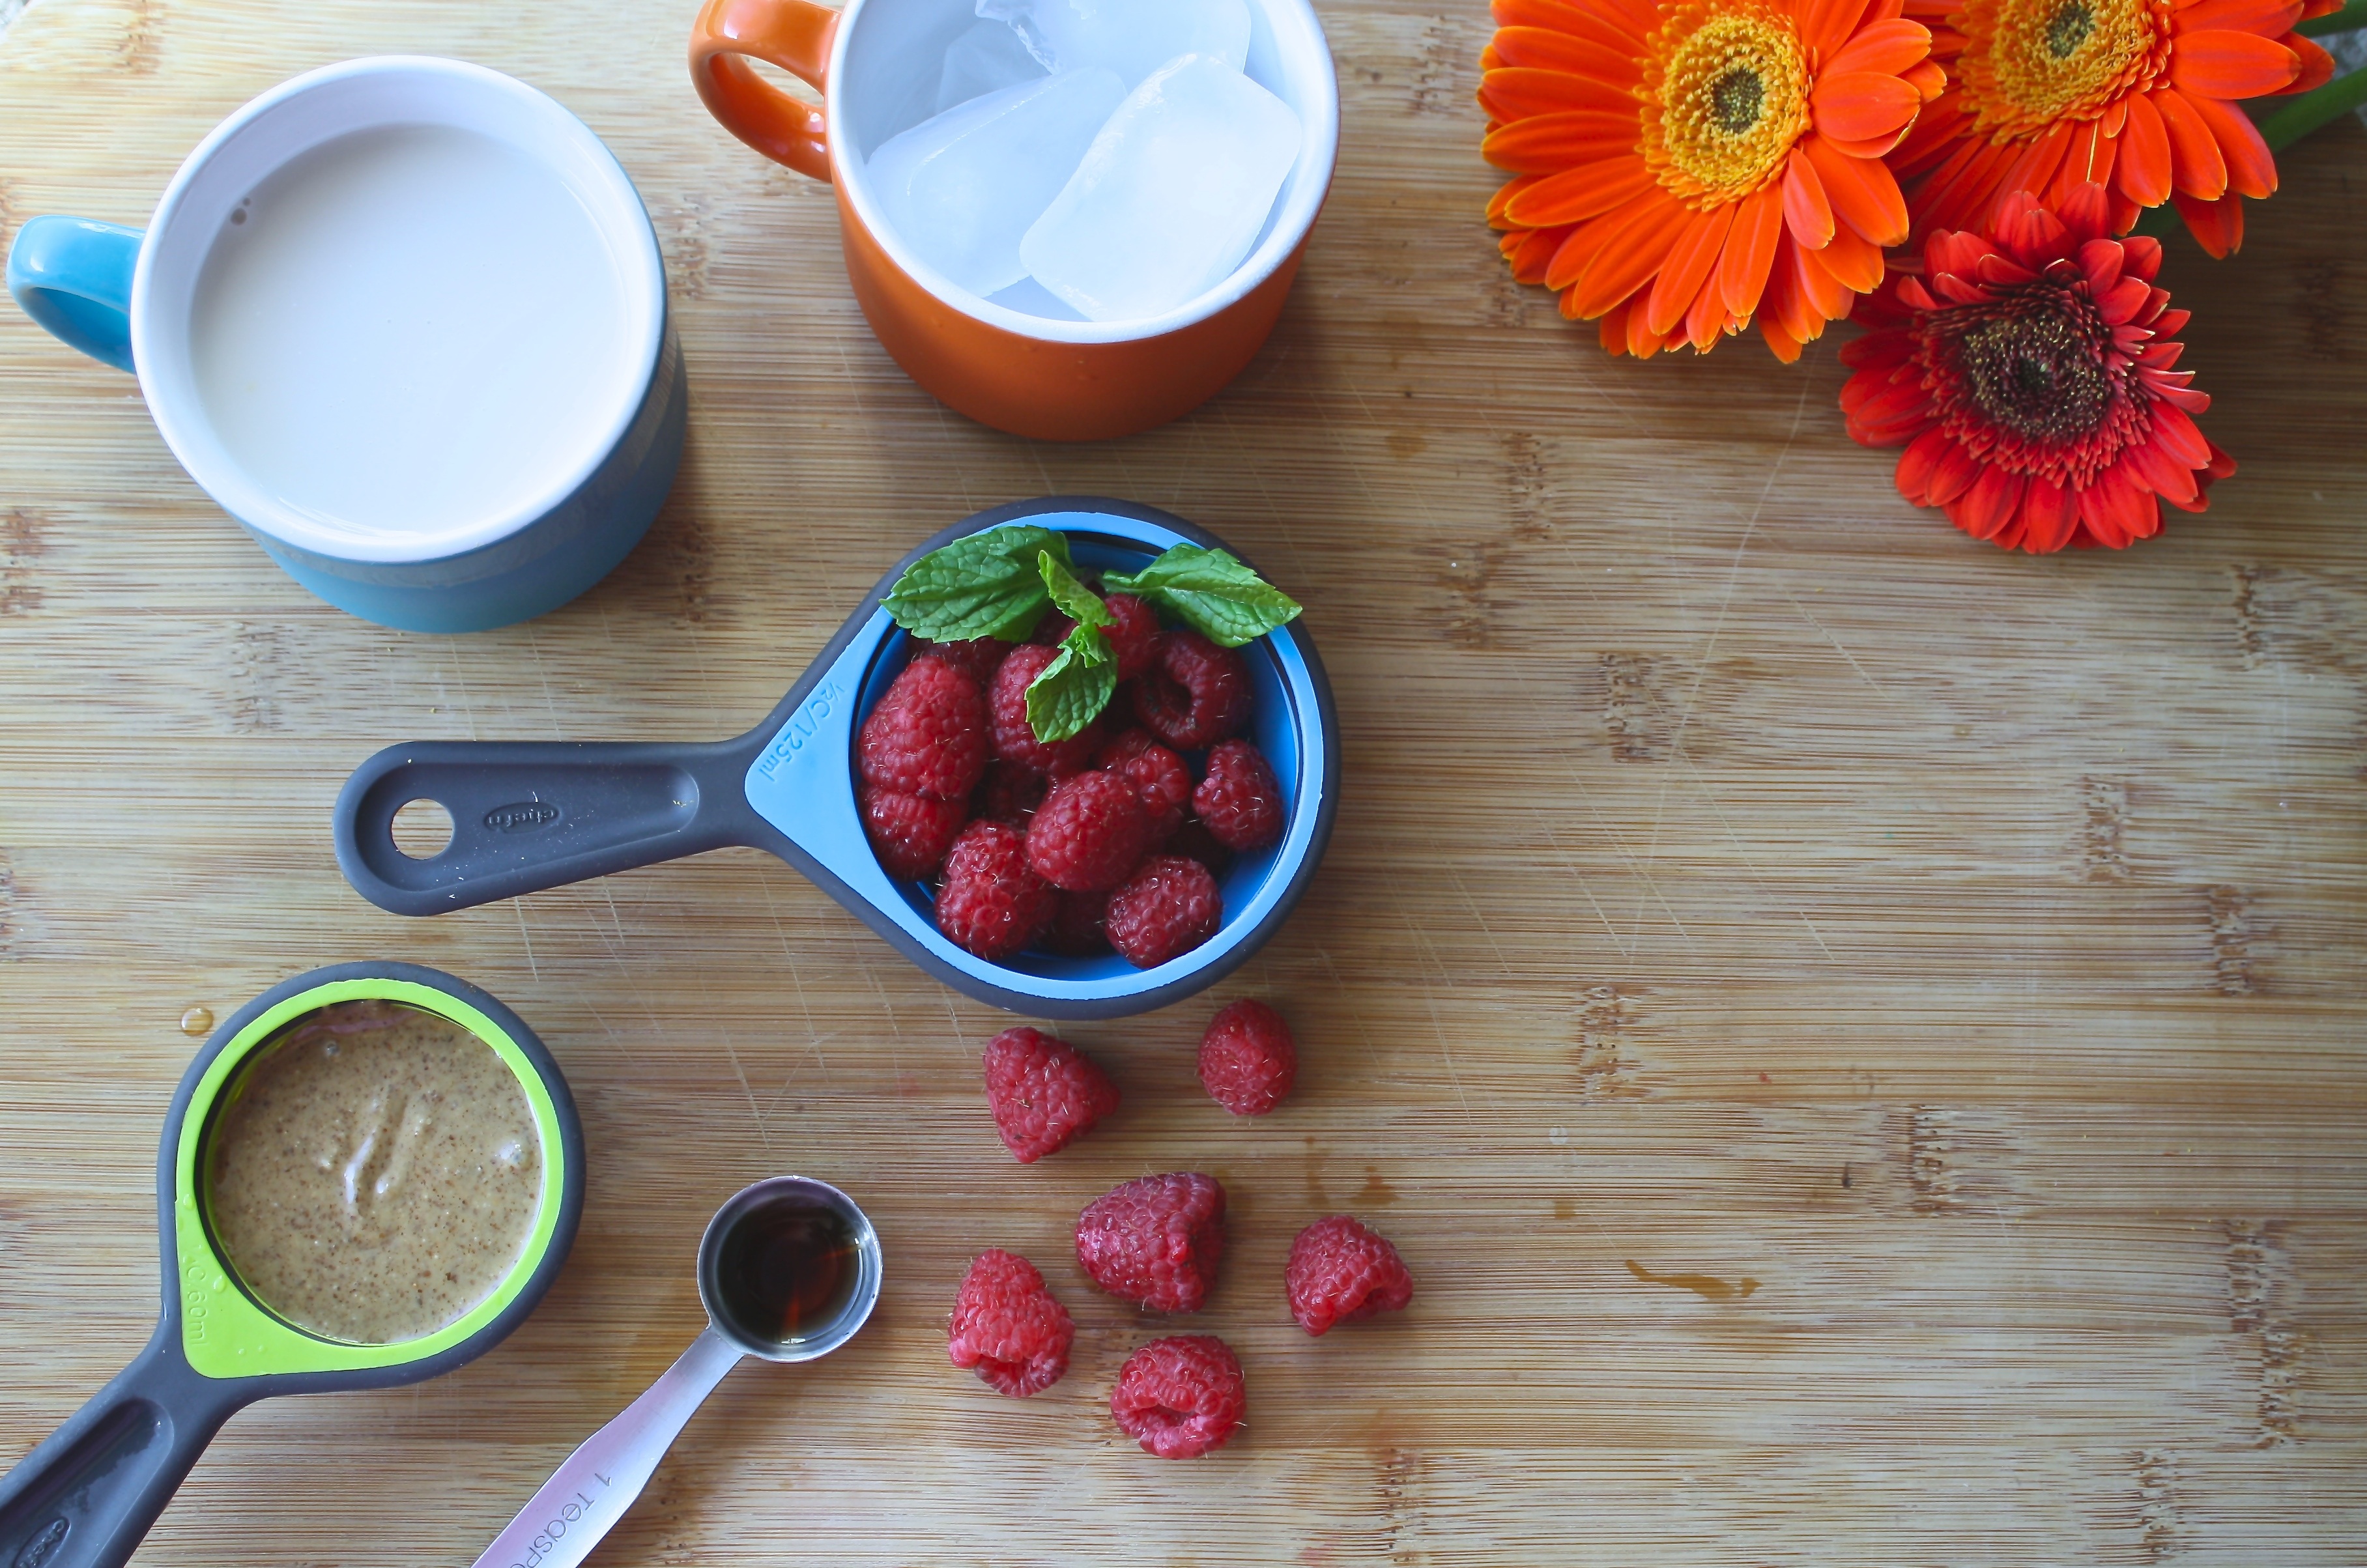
{"points": [[1059, 380]]}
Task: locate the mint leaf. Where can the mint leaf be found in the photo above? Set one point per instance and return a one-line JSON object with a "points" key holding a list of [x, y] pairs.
{"points": [[986, 585], [1212, 591], [1071, 691], [1070, 597]]}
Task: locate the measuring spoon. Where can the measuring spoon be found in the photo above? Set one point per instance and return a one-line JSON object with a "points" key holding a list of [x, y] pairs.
{"points": [[788, 1269], [530, 815], [87, 1496]]}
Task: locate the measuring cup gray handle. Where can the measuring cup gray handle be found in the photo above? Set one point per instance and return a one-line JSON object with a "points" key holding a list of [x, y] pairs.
{"points": [[586, 1496], [85, 1497], [530, 815]]}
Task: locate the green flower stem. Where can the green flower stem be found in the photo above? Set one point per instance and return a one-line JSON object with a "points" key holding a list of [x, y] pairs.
{"points": [[2349, 19], [2298, 116]]}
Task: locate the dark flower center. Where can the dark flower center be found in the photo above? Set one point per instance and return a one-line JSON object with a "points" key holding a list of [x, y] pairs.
{"points": [[2036, 364], [2069, 28], [1736, 100]]}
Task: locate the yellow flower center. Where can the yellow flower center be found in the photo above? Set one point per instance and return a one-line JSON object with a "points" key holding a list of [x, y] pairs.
{"points": [[2029, 64], [1726, 95]]}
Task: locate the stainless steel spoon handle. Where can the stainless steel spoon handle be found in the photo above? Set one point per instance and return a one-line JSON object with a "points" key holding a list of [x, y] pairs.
{"points": [[584, 1498]]}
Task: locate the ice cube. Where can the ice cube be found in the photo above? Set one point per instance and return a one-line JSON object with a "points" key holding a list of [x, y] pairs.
{"points": [[986, 59], [961, 188], [1133, 38], [1170, 195]]}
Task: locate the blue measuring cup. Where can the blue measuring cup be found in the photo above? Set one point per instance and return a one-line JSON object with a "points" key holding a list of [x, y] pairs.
{"points": [[531, 815]]}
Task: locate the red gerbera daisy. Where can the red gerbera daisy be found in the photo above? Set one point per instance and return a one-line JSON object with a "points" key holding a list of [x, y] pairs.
{"points": [[2137, 95], [2029, 376]]}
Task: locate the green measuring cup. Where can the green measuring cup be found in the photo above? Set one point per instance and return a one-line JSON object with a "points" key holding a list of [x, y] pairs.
{"points": [[85, 1497]]}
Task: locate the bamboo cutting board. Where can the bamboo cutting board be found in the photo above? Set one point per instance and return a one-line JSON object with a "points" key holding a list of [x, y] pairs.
{"points": [[1858, 1035]]}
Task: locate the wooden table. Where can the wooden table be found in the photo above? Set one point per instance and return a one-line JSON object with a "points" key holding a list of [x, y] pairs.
{"points": [[1743, 877]]}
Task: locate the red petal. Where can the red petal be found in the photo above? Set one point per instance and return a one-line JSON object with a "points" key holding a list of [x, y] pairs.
{"points": [[2049, 513], [1955, 474], [2177, 436], [1918, 462], [1989, 506]]}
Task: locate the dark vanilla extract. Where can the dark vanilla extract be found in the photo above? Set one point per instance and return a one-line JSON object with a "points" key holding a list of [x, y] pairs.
{"points": [[787, 1269]]}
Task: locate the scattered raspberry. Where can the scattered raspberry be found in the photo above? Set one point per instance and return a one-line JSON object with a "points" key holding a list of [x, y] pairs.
{"points": [[1008, 1326], [1168, 906], [1158, 774], [1155, 1241], [1014, 740], [1043, 1092], [1181, 1396], [1195, 694], [909, 833], [927, 735], [1247, 1059], [1238, 797], [1008, 793], [1079, 926], [1133, 631], [1340, 1271], [1194, 841], [1089, 833], [992, 905], [978, 657]]}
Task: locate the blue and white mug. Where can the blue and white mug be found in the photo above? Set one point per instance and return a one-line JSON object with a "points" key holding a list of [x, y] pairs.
{"points": [[405, 320]]}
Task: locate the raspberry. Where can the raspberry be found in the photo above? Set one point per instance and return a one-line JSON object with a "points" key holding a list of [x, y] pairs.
{"points": [[977, 657], [927, 735], [1015, 742], [1181, 1396], [1340, 1271], [909, 833], [1193, 841], [992, 905], [1238, 797], [1133, 632], [1155, 1240], [1195, 693], [1158, 774], [1247, 1059], [1089, 833], [1008, 793], [1169, 906], [1079, 925], [1043, 1092], [1008, 1326]]}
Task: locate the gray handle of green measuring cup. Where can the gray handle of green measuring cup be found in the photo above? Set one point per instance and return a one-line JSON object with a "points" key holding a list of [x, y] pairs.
{"points": [[85, 1498], [73, 277], [530, 815]]}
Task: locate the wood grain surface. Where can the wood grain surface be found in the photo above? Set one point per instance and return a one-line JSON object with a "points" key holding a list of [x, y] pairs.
{"points": [[1742, 878]]}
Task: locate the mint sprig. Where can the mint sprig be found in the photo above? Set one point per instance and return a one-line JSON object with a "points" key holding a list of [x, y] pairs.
{"points": [[987, 585], [1070, 691], [999, 583], [1212, 591]]}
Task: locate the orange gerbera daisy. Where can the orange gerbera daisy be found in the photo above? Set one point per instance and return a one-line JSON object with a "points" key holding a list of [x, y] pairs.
{"points": [[2030, 375], [1688, 166], [2045, 96]]}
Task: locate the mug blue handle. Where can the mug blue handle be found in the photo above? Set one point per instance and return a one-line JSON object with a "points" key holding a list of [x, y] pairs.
{"points": [[73, 276]]}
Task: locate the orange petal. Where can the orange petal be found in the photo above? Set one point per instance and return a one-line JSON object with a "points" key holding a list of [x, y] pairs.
{"points": [[1706, 317], [2228, 64], [2251, 169], [2266, 18], [1549, 143], [1806, 212], [2195, 165], [1750, 250], [1823, 298], [1517, 92], [2316, 65], [1854, 261], [1587, 241], [2143, 167], [1534, 250], [1858, 106], [1563, 17], [2038, 161], [1785, 346], [1863, 193], [1629, 262], [1551, 51], [1889, 48], [1690, 262], [2217, 226], [1576, 195], [1826, 25], [1928, 77]]}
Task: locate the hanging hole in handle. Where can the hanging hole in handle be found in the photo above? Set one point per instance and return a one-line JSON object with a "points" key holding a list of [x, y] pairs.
{"points": [[423, 829]]}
